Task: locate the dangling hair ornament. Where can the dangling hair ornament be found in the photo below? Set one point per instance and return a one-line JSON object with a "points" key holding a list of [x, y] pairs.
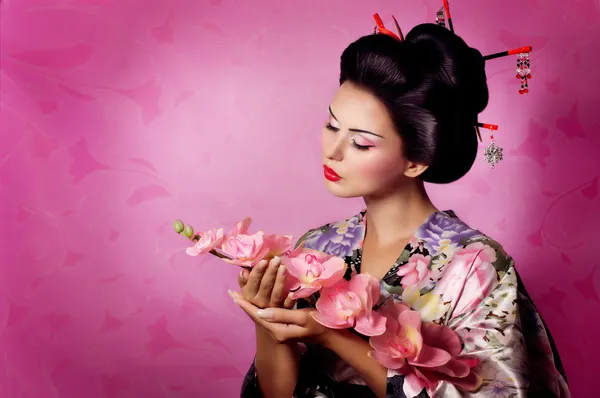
{"points": [[493, 153], [523, 65], [440, 17], [380, 28], [523, 71]]}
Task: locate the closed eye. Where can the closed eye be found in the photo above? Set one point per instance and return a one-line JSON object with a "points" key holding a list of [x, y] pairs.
{"points": [[360, 147], [329, 127]]}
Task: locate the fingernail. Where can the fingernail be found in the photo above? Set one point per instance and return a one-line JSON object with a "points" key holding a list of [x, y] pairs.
{"points": [[265, 314], [232, 296], [242, 273], [281, 270]]}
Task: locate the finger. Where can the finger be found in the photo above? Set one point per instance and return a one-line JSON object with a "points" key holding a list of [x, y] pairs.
{"points": [[289, 303], [243, 277], [251, 310], [282, 315], [279, 331], [268, 281], [245, 272], [279, 293], [256, 275]]}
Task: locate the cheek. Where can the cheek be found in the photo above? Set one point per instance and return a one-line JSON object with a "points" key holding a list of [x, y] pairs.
{"points": [[381, 167]]}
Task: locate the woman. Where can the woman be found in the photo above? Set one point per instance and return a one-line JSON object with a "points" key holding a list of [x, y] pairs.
{"points": [[404, 115]]}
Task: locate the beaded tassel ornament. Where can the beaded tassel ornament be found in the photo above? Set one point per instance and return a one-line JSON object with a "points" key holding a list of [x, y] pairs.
{"points": [[440, 17], [523, 72]]}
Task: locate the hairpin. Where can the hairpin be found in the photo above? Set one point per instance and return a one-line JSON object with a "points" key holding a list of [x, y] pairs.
{"points": [[520, 50], [487, 126], [492, 153], [398, 28], [523, 65], [380, 28], [448, 17]]}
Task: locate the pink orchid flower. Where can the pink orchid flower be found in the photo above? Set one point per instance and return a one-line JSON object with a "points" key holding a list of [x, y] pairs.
{"points": [[310, 270], [349, 304], [415, 272], [208, 241], [248, 250], [241, 227], [426, 353]]}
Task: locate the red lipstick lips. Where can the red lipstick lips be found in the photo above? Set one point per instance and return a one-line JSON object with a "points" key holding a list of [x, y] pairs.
{"points": [[330, 174]]}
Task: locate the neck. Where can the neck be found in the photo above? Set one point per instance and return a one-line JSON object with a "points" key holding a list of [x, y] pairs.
{"points": [[397, 216]]}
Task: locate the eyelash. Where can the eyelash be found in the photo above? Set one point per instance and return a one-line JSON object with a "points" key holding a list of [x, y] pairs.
{"points": [[329, 127]]}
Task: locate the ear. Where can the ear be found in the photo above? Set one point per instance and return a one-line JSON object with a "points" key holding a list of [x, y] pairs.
{"points": [[414, 170]]}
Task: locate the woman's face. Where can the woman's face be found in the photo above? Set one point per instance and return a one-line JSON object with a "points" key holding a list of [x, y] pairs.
{"points": [[362, 152]]}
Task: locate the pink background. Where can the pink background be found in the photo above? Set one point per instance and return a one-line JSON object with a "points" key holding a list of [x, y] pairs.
{"points": [[118, 116]]}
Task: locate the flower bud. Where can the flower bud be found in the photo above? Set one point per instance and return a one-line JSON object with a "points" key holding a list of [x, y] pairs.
{"points": [[178, 225], [188, 231]]}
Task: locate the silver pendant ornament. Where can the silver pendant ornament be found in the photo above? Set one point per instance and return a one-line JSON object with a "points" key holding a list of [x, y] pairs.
{"points": [[493, 154]]}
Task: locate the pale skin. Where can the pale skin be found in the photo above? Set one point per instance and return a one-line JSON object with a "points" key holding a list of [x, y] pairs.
{"points": [[360, 143]]}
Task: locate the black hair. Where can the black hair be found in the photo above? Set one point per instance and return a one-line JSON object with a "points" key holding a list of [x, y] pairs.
{"points": [[433, 86]]}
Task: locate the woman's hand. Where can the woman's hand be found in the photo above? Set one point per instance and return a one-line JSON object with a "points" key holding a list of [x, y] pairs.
{"points": [[264, 285], [285, 325]]}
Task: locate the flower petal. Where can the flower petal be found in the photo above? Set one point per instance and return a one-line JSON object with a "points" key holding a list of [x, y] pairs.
{"points": [[410, 319], [333, 267], [192, 251], [303, 292], [278, 244], [405, 269], [410, 280], [410, 294], [469, 383], [431, 357], [332, 321], [295, 266], [241, 227], [386, 360], [413, 385], [430, 306], [367, 288], [373, 325], [381, 342], [443, 337]]}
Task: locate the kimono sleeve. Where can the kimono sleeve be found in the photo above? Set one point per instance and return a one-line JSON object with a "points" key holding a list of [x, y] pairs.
{"points": [[487, 312]]}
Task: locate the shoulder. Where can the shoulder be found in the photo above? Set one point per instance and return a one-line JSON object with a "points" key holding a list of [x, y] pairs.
{"points": [[465, 265], [340, 238], [445, 235]]}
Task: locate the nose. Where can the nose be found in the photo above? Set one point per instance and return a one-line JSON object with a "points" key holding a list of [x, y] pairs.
{"points": [[333, 146]]}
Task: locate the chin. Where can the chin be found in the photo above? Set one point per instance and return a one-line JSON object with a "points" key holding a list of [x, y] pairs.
{"points": [[338, 190]]}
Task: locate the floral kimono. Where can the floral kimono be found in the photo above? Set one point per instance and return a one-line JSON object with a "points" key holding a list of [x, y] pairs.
{"points": [[481, 299]]}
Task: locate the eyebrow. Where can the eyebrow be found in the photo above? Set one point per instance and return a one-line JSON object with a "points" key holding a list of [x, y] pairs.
{"points": [[354, 130]]}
